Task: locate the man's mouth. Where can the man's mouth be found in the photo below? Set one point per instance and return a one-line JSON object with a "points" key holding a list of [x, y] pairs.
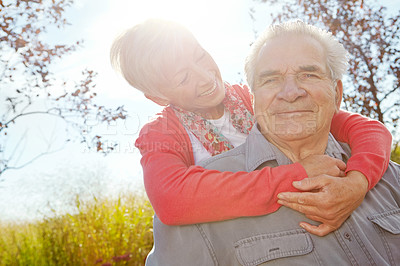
{"points": [[284, 112]]}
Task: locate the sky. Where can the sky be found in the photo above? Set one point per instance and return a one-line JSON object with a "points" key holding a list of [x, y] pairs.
{"points": [[223, 28]]}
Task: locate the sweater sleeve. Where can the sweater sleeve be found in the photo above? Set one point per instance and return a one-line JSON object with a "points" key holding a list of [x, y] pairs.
{"points": [[182, 193], [370, 144]]}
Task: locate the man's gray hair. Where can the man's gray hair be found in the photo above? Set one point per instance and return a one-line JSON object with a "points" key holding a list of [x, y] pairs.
{"points": [[141, 51], [337, 55]]}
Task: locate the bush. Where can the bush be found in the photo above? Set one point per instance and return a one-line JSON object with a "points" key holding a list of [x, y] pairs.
{"points": [[101, 232], [395, 156]]}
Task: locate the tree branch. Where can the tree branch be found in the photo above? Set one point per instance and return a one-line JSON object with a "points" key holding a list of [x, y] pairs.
{"points": [[30, 161], [12, 120]]}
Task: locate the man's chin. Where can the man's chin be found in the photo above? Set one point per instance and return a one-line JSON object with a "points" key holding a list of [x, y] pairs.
{"points": [[292, 136], [294, 130]]}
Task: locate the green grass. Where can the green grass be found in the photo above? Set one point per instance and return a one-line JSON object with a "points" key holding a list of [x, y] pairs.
{"points": [[101, 232]]}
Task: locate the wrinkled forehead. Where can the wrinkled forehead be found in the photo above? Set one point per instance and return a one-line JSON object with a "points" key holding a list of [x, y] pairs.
{"points": [[291, 52]]}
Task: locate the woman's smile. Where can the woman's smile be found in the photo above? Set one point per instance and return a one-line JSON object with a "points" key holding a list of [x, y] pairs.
{"points": [[211, 91]]}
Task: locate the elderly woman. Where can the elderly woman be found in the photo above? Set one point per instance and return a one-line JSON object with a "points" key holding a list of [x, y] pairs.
{"points": [[205, 116]]}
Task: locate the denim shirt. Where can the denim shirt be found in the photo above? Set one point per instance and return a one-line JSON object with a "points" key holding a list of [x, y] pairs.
{"points": [[370, 236]]}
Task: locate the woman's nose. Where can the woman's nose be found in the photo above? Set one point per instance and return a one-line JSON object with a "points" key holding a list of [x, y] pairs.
{"points": [[203, 75]]}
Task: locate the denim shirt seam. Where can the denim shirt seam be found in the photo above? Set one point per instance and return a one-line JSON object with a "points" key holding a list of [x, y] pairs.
{"points": [[208, 244], [345, 248], [361, 244]]}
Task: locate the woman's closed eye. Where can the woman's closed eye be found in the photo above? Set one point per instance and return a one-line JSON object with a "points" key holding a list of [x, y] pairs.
{"points": [[200, 56], [184, 79]]}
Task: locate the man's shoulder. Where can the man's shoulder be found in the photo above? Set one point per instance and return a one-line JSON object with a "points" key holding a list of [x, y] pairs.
{"points": [[233, 160], [394, 171]]}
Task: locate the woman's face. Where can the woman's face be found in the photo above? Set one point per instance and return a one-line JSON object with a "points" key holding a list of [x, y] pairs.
{"points": [[193, 80]]}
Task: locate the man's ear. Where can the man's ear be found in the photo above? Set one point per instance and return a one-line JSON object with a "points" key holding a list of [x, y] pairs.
{"points": [[339, 94], [157, 100]]}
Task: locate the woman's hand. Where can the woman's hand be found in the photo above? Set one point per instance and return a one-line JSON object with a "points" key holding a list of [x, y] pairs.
{"points": [[326, 199]]}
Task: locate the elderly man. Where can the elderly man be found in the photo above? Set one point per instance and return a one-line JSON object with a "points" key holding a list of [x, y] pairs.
{"points": [[294, 70]]}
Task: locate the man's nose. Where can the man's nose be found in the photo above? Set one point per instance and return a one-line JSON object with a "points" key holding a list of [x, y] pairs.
{"points": [[291, 90]]}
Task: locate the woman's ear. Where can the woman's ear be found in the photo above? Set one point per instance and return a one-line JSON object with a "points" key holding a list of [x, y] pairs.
{"points": [[157, 100]]}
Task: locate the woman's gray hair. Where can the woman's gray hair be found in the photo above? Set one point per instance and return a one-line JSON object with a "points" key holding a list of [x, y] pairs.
{"points": [[141, 51], [337, 55]]}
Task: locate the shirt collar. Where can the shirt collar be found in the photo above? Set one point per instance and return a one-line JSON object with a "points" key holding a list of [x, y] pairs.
{"points": [[259, 150], [335, 149]]}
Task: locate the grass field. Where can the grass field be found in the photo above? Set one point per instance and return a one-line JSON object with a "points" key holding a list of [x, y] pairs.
{"points": [[100, 232]]}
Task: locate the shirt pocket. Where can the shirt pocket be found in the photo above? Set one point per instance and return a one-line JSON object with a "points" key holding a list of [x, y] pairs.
{"points": [[266, 247], [388, 225]]}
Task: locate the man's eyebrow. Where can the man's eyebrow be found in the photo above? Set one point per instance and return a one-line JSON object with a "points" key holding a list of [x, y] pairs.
{"points": [[268, 73], [311, 68]]}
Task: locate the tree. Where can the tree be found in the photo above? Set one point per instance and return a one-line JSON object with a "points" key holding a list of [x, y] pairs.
{"points": [[372, 38], [28, 86]]}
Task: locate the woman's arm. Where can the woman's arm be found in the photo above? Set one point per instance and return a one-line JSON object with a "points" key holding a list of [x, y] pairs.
{"points": [[182, 193], [370, 144]]}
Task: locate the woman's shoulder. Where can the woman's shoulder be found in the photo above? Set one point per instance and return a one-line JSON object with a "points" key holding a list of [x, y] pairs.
{"points": [[164, 133], [242, 89], [244, 93], [164, 121], [237, 87]]}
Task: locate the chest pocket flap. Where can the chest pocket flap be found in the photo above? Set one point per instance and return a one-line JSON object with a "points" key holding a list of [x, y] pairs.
{"points": [[388, 220], [262, 248]]}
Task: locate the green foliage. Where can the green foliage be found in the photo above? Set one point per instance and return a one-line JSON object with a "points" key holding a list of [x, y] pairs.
{"points": [[102, 232], [395, 156]]}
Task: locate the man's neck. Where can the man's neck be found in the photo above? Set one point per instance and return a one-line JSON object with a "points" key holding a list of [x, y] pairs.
{"points": [[298, 149]]}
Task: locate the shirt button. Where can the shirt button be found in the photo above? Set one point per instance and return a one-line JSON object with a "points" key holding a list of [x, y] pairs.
{"points": [[347, 236]]}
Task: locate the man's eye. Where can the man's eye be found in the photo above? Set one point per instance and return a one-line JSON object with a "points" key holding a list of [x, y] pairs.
{"points": [[271, 80], [309, 76]]}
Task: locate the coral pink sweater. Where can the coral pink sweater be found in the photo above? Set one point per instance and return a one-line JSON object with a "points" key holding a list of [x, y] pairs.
{"points": [[183, 193]]}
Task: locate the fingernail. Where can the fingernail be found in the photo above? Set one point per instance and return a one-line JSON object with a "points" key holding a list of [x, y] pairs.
{"points": [[296, 183]]}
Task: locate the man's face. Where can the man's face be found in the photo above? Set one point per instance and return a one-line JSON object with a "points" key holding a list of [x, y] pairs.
{"points": [[295, 97]]}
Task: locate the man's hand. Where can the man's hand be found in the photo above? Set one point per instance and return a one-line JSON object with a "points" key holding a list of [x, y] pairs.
{"points": [[326, 199]]}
